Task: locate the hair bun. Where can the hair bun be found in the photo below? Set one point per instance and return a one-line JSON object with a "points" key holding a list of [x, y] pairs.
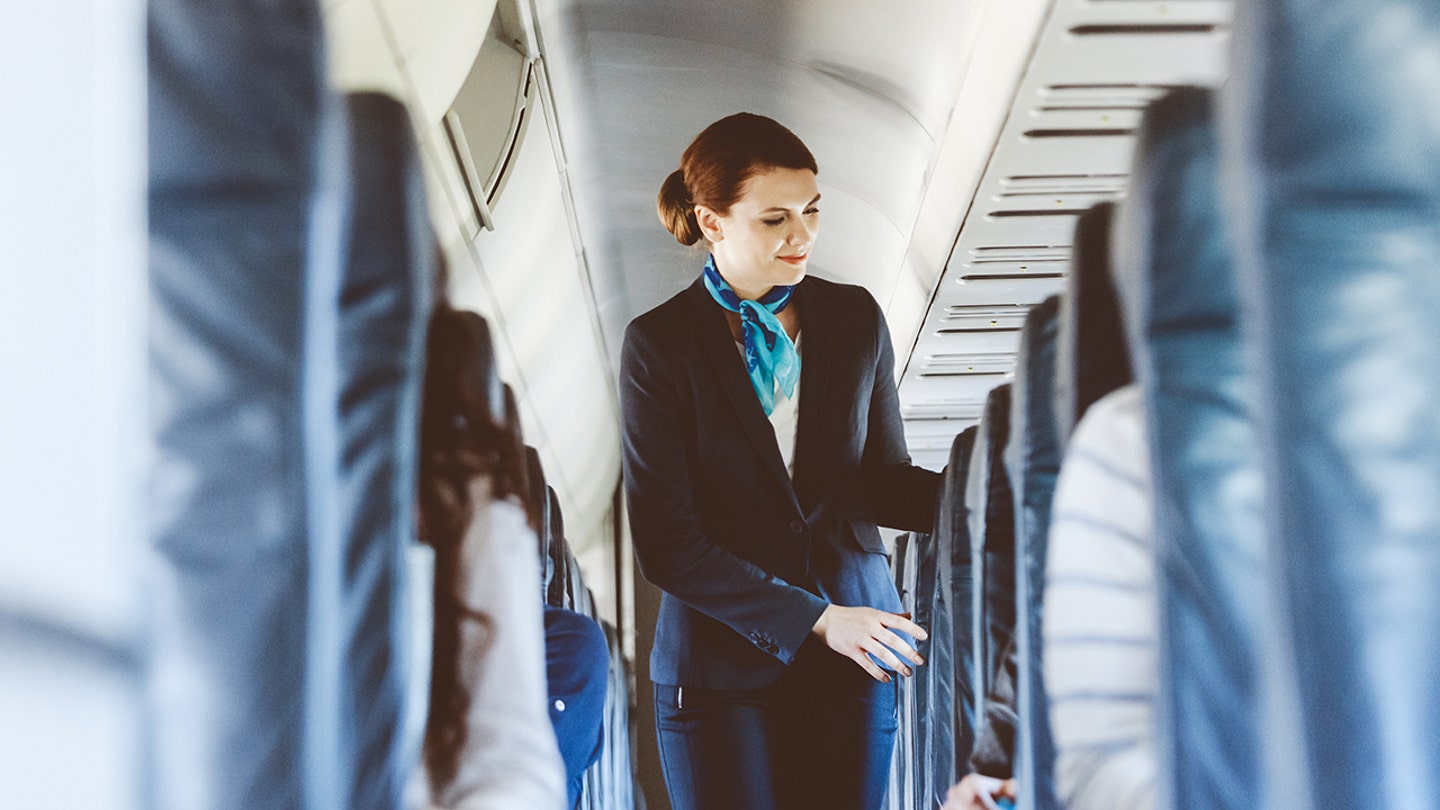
{"points": [[676, 211]]}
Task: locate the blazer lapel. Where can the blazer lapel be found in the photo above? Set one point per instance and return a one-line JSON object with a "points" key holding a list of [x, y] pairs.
{"points": [[718, 346], [815, 329]]}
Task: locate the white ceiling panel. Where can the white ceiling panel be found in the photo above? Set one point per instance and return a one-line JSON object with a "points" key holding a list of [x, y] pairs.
{"points": [[1067, 144], [871, 88]]}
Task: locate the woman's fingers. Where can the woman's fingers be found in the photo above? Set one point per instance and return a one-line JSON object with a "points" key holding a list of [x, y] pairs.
{"points": [[882, 652], [898, 644], [869, 666], [903, 624]]}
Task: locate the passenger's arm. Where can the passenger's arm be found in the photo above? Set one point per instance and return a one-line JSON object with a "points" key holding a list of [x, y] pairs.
{"points": [[1101, 613], [510, 758], [902, 495], [673, 552]]}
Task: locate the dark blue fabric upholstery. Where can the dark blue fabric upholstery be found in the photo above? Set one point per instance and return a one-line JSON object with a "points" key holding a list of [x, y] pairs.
{"points": [[908, 757], [368, 301], [1184, 308], [1032, 460], [950, 655], [990, 519], [559, 589], [1333, 147], [917, 715], [234, 111], [610, 782], [1092, 358]]}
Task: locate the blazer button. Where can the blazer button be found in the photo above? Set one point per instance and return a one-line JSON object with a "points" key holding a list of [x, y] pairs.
{"points": [[797, 527]]}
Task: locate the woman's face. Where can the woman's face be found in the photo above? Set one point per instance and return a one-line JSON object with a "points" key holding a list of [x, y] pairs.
{"points": [[765, 239]]}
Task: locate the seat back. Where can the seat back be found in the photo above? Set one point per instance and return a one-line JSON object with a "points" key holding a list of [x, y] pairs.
{"points": [[365, 359], [1032, 460], [1333, 148], [950, 657], [1176, 259], [990, 519], [227, 322], [1092, 358]]}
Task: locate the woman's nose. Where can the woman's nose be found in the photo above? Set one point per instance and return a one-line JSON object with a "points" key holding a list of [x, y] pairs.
{"points": [[800, 234]]}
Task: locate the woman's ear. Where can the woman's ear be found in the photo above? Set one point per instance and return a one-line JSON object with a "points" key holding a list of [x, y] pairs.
{"points": [[709, 224]]}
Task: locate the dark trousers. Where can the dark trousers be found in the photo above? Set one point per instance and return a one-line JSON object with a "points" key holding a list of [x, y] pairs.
{"points": [[819, 737]]}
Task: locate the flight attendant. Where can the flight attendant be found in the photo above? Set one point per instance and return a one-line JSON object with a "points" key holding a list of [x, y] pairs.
{"points": [[762, 446]]}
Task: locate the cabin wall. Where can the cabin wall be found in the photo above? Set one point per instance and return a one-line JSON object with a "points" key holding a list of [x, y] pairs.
{"points": [[72, 440], [528, 276]]}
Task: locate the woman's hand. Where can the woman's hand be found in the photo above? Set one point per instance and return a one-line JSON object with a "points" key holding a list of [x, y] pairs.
{"points": [[976, 792], [859, 632]]}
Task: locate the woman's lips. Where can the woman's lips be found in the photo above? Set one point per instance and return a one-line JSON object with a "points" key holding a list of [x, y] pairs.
{"points": [[800, 259]]}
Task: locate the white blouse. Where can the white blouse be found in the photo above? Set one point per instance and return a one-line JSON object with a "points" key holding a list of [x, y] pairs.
{"points": [[510, 759], [786, 416], [1101, 612]]}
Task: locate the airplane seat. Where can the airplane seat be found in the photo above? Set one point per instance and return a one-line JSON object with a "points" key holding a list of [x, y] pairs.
{"points": [[911, 554], [948, 688], [990, 516], [368, 314], [494, 386], [515, 437], [924, 560], [1331, 147], [539, 497], [1092, 358], [1032, 461], [559, 589], [1182, 304], [232, 129], [610, 782]]}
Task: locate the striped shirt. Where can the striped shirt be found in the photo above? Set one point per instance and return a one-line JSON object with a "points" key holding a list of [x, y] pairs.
{"points": [[1101, 612]]}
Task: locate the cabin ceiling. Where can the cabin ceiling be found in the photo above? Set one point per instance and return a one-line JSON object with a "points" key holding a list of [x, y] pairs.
{"points": [[952, 165], [872, 88], [1066, 145]]}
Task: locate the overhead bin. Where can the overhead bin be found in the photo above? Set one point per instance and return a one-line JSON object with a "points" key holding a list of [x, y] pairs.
{"points": [[1332, 150], [1177, 271]]}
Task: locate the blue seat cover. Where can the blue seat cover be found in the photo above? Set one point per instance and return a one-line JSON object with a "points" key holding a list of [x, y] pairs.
{"points": [[234, 111], [990, 519], [1332, 145], [1183, 307], [1092, 358], [369, 304], [949, 657], [1032, 460]]}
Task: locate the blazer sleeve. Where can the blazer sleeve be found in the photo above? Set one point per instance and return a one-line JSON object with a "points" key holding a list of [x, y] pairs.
{"points": [[901, 495], [673, 552]]}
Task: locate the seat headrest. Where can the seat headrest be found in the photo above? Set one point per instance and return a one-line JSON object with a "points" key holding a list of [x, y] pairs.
{"points": [[1092, 357]]}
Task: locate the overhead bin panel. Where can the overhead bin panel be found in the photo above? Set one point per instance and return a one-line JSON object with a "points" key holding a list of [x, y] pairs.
{"points": [[1066, 145], [899, 104]]}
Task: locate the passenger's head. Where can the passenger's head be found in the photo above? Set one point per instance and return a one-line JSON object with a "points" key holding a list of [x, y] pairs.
{"points": [[746, 185], [462, 439]]}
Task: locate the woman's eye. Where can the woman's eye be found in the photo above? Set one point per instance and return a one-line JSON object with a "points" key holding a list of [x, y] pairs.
{"points": [[773, 222], [810, 211]]}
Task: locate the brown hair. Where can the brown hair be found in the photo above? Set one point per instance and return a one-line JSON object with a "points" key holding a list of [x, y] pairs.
{"points": [[717, 164], [460, 440]]}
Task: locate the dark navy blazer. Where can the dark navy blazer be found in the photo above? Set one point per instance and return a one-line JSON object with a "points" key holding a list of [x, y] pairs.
{"points": [[747, 560]]}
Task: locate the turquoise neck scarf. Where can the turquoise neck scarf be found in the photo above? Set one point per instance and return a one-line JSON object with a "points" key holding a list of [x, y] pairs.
{"points": [[770, 355]]}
